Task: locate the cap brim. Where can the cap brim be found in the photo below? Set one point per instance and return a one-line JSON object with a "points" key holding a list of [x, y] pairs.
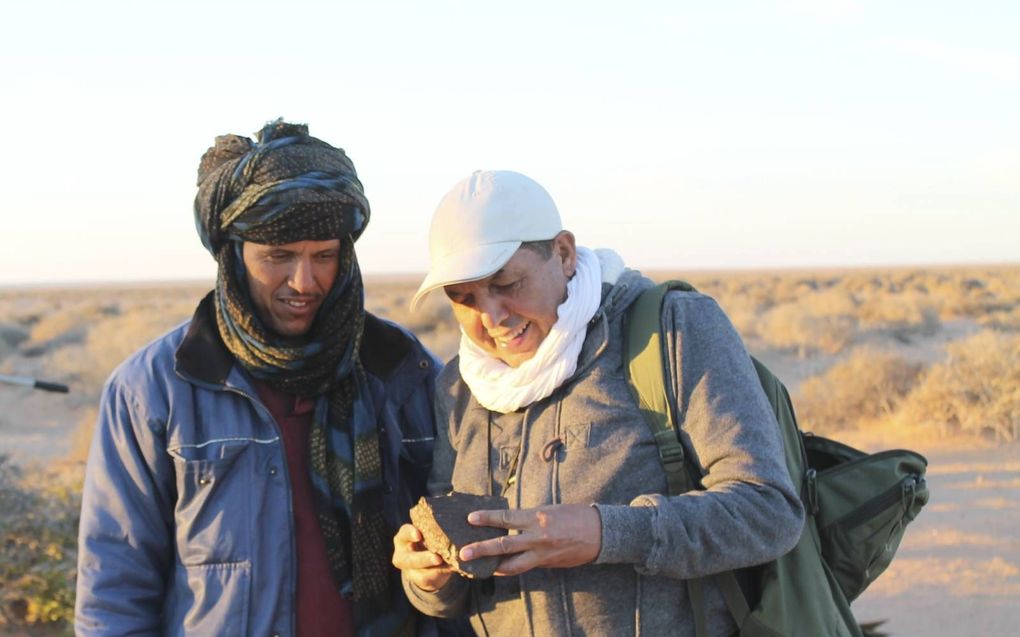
{"points": [[470, 264]]}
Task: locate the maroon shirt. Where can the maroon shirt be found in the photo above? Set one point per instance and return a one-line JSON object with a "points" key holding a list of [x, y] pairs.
{"points": [[321, 610]]}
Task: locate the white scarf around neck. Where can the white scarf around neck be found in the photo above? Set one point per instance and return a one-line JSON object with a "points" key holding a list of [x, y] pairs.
{"points": [[500, 387]]}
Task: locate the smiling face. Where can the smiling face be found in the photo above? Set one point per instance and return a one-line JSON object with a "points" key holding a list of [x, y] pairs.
{"points": [[289, 282], [510, 313]]}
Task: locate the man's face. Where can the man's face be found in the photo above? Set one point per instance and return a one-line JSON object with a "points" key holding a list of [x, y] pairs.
{"points": [[289, 282], [510, 313]]}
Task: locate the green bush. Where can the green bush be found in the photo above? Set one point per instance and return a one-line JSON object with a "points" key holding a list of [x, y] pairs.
{"points": [[38, 550]]}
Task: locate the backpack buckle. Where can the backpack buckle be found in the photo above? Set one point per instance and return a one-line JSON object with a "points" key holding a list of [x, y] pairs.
{"points": [[671, 455], [672, 460], [670, 450]]}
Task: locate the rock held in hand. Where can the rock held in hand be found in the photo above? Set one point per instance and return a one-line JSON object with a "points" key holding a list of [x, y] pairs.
{"points": [[443, 523]]}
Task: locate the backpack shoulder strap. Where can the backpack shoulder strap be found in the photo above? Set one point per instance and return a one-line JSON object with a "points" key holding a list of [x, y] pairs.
{"points": [[779, 398], [643, 353]]}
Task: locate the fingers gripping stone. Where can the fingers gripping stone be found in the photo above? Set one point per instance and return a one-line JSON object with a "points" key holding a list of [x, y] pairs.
{"points": [[443, 523]]}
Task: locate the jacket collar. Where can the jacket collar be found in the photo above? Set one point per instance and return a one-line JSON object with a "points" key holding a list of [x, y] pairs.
{"points": [[203, 356], [616, 298]]}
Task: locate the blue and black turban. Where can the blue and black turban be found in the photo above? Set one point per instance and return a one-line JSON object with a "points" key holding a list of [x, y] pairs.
{"points": [[288, 186]]}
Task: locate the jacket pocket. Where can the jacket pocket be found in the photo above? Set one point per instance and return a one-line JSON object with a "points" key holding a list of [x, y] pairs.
{"points": [[213, 493], [415, 462], [211, 599], [417, 450]]}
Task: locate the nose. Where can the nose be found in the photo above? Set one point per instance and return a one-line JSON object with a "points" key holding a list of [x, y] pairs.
{"points": [[302, 278], [491, 311]]}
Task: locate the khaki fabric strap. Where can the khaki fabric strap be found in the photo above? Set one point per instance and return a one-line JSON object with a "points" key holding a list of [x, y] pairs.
{"points": [[646, 369], [643, 352]]}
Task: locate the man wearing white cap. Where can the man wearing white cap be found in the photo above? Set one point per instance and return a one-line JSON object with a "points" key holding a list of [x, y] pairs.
{"points": [[536, 408]]}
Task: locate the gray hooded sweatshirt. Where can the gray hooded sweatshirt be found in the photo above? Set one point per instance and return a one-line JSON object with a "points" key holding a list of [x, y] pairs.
{"points": [[602, 453]]}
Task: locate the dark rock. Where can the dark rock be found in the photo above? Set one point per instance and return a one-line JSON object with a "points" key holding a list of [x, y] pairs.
{"points": [[443, 523]]}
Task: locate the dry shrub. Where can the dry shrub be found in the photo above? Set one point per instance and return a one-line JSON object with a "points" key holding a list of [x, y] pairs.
{"points": [[24, 308], [867, 384], [948, 293], [62, 326], [975, 390], [10, 337], [1005, 319], [433, 323], [388, 300], [973, 293], [110, 341], [741, 296], [802, 313], [39, 548], [904, 313], [829, 302], [434, 313], [81, 437], [756, 291], [745, 316], [795, 326], [791, 288], [113, 340], [39, 513]]}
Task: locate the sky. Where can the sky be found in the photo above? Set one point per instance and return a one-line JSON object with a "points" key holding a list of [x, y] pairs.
{"points": [[683, 134]]}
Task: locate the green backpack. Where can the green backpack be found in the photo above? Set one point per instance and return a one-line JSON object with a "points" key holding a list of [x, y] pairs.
{"points": [[857, 504]]}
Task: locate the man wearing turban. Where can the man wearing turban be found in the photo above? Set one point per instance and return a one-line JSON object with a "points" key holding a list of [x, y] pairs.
{"points": [[249, 467]]}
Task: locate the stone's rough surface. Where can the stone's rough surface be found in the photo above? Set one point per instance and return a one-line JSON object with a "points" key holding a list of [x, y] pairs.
{"points": [[443, 523]]}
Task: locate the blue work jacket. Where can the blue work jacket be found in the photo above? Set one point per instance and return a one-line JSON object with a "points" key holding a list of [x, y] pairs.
{"points": [[186, 525]]}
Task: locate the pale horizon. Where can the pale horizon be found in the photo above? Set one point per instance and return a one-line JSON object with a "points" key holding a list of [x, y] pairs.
{"points": [[790, 134]]}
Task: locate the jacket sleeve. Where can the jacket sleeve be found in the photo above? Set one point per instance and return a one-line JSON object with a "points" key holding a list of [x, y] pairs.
{"points": [[451, 600], [125, 546], [748, 512]]}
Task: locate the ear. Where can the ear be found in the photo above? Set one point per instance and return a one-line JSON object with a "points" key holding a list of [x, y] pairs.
{"points": [[565, 249]]}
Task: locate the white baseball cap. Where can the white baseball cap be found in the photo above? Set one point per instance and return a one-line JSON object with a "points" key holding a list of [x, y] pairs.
{"points": [[480, 224]]}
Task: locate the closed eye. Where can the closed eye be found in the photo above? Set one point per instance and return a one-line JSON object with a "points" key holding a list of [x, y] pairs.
{"points": [[507, 288], [279, 257], [458, 298]]}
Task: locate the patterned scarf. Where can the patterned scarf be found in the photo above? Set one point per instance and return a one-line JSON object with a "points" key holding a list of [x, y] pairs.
{"points": [[290, 187]]}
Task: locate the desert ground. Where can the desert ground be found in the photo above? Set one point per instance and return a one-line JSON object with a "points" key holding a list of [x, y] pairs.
{"points": [[921, 358]]}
